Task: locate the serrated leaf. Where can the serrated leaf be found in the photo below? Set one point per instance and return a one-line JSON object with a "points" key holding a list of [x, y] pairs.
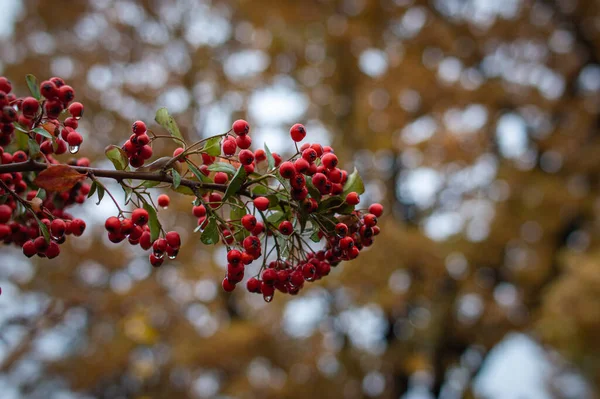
{"points": [[176, 178], [34, 88], [58, 178], [153, 222], [270, 159], [259, 189], [213, 146], [210, 235], [236, 183], [353, 184], [101, 192], [117, 156], [43, 132], [201, 176], [222, 167], [43, 228], [164, 119], [93, 188], [34, 147]]}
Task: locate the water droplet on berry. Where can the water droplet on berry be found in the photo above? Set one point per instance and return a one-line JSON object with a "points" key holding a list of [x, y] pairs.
{"points": [[77, 117], [268, 298], [73, 149], [55, 238], [159, 255], [165, 207], [172, 256], [311, 278]]}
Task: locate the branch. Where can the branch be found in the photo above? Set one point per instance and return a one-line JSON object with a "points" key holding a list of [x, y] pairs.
{"points": [[118, 175]]}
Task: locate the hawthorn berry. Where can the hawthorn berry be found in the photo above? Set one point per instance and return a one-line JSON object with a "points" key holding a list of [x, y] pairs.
{"points": [[286, 228], [140, 216], [253, 285], [352, 198], [173, 239], [29, 248], [221, 178], [76, 110], [329, 160], [227, 285], [77, 227], [246, 157], [229, 146], [155, 261], [138, 127], [240, 127], [30, 106], [376, 209], [5, 213], [261, 203], [58, 227], [287, 170], [370, 220], [178, 151], [249, 222], [298, 132], [244, 142], [163, 200], [260, 155], [341, 229], [234, 257], [199, 211]]}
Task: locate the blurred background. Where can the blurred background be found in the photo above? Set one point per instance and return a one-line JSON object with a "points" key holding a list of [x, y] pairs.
{"points": [[475, 122]]}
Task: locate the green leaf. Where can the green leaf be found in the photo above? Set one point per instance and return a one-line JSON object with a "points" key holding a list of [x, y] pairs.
{"points": [[302, 219], [165, 120], [101, 191], [315, 236], [93, 188], [259, 189], [176, 178], [236, 183], [43, 228], [270, 159], [150, 183], [41, 193], [20, 128], [237, 212], [275, 218], [353, 184], [153, 222], [210, 235], [201, 176], [329, 203], [185, 190], [34, 147], [222, 167], [213, 146], [128, 193], [22, 140], [34, 88], [312, 190], [43, 132], [117, 156]]}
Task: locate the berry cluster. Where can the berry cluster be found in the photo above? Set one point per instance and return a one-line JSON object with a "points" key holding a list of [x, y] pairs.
{"points": [[137, 231], [137, 147]]}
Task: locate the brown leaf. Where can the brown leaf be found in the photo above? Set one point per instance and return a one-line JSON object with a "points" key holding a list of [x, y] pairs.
{"points": [[50, 128], [58, 178]]}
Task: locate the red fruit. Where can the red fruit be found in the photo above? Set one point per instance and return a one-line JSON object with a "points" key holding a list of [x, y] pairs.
{"points": [[5, 85], [207, 160], [40, 244], [277, 158], [66, 94], [310, 155], [173, 239], [319, 180], [259, 228], [298, 132], [199, 211], [145, 152], [77, 227], [58, 228], [163, 200], [335, 175], [30, 106], [287, 170], [253, 285], [240, 127], [352, 198], [5, 231], [297, 279], [127, 226], [309, 272], [329, 160], [269, 276], [19, 156], [370, 220], [71, 122], [336, 189], [341, 229], [249, 168], [286, 228], [178, 152], [140, 140], [247, 258], [76, 110], [246, 157], [140, 217], [301, 165], [159, 246], [46, 148], [251, 244], [346, 243], [29, 249], [215, 199], [5, 213], [74, 139], [298, 182], [53, 250], [227, 285], [155, 261], [249, 222], [146, 240], [229, 146], [112, 224], [260, 155], [244, 142], [221, 178], [138, 127], [376, 209], [268, 291], [48, 89], [261, 203], [234, 257]]}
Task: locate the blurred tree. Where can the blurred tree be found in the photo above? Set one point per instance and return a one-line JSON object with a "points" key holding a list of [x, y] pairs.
{"points": [[476, 122]]}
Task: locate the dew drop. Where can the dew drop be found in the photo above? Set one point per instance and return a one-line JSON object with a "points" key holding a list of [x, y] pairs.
{"points": [[159, 255], [165, 207], [73, 149], [172, 256], [268, 298]]}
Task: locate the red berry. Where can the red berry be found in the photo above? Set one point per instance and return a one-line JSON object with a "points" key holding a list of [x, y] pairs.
{"points": [[335, 175], [221, 178], [341, 229], [48, 89], [253, 285], [146, 241], [155, 261], [277, 158], [77, 227], [269, 276], [227, 285], [346, 243], [234, 257], [261, 203], [163, 200], [287, 170], [5, 85], [246, 157], [298, 182], [244, 142], [352, 198], [301, 165], [66, 94], [53, 250], [76, 110], [260, 155], [229, 146], [140, 217], [310, 155], [199, 211], [30, 106], [240, 127], [41, 245], [71, 122], [329, 160], [259, 228], [173, 239], [112, 224], [29, 248], [249, 222], [286, 228], [178, 152], [127, 226], [138, 127], [298, 132], [376, 209], [370, 220], [215, 199], [74, 139], [58, 228], [5, 213], [145, 152], [159, 246]]}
